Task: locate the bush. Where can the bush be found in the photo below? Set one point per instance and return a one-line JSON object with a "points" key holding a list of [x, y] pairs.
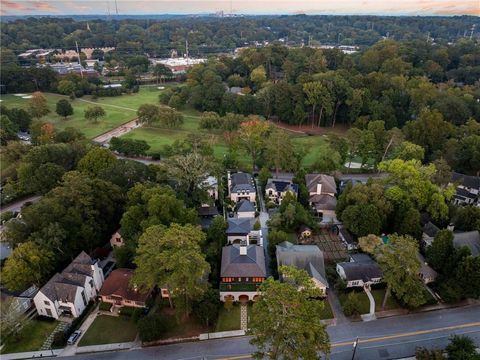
{"points": [[105, 306], [151, 327], [352, 304], [59, 339], [7, 215]]}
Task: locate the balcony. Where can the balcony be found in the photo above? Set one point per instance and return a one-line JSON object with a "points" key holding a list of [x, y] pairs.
{"points": [[238, 286]]}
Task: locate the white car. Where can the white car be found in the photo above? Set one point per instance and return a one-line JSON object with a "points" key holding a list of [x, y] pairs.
{"points": [[74, 337]]}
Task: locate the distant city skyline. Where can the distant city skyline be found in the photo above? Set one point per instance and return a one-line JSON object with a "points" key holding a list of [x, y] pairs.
{"points": [[311, 7]]}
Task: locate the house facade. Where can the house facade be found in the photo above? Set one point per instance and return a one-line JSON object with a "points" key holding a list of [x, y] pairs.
{"points": [[242, 272], [322, 190], [118, 291], [277, 189], [305, 257], [68, 293], [245, 209], [468, 189], [241, 186], [427, 274], [360, 271]]}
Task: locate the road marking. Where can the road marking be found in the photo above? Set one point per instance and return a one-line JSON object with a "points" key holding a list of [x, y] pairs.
{"points": [[412, 333], [381, 338]]}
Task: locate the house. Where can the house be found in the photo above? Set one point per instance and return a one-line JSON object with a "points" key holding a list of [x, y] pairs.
{"points": [[305, 232], [305, 257], [245, 209], [242, 271], [241, 186], [429, 232], [468, 189], [241, 230], [277, 189], [322, 190], [347, 239], [427, 274], [211, 185], [469, 239], [17, 307], [117, 240], [206, 215], [360, 271], [118, 291], [68, 293]]}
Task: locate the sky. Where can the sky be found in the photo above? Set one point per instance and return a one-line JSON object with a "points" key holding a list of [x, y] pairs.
{"points": [[335, 7]]}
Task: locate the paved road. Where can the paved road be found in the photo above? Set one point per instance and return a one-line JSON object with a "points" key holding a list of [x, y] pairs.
{"points": [[119, 131], [16, 206], [381, 339]]}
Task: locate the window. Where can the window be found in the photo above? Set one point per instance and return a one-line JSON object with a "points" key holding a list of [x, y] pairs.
{"points": [[246, 279], [239, 279], [84, 298], [47, 302], [118, 240], [49, 312]]}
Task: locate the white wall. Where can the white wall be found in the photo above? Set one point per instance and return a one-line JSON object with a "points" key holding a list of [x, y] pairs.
{"points": [[245, 215], [236, 294], [39, 301], [251, 196]]}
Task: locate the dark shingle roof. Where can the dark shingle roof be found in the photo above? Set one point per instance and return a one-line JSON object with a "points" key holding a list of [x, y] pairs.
{"points": [[239, 226], [207, 211], [281, 185], [250, 265], [324, 202], [466, 180], [306, 257], [361, 258], [470, 239], [349, 239], [361, 271], [241, 181], [430, 229], [245, 206]]}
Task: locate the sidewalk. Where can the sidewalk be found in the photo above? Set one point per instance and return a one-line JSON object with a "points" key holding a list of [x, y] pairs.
{"points": [[31, 354]]}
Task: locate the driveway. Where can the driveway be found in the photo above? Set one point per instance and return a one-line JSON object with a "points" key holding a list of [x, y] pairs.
{"points": [[70, 350], [264, 217], [17, 205]]}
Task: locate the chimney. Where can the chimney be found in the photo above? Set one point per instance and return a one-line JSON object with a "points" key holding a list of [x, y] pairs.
{"points": [[319, 189], [243, 248]]}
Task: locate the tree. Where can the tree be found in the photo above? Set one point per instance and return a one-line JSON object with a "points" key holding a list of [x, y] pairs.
{"points": [[189, 173], [148, 113], [169, 117], [129, 147], [8, 130], [252, 137], [400, 266], [352, 304], [461, 348], [441, 253], [258, 76], [317, 95], [286, 321], [28, 264], [467, 218], [93, 113], [206, 308], [161, 72], [370, 243], [69, 135], [362, 220], [66, 87], [172, 258], [38, 105], [64, 108], [96, 160], [409, 151], [281, 153]]}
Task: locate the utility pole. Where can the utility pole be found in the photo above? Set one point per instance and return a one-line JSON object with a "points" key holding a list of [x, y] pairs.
{"points": [[79, 62], [355, 344], [471, 32]]}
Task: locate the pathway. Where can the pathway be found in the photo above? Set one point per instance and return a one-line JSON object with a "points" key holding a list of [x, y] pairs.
{"points": [[17, 205], [243, 316], [71, 349], [47, 344], [337, 310], [371, 315], [118, 131], [264, 217]]}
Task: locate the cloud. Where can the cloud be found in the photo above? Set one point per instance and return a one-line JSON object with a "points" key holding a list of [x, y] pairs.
{"points": [[14, 6], [42, 6]]}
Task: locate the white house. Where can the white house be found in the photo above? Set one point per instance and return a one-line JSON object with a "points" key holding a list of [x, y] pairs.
{"points": [[241, 186], [211, 185], [360, 271], [68, 293], [468, 189]]}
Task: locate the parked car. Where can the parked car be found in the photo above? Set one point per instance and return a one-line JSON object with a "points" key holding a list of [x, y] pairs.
{"points": [[74, 337]]}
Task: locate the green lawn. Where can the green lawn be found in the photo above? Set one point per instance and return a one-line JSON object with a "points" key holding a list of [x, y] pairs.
{"points": [[378, 295], [31, 337], [327, 312], [228, 320], [108, 330], [313, 144]]}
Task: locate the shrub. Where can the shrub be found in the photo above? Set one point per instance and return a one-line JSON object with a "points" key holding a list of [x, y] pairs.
{"points": [[151, 328], [7, 215], [105, 306], [59, 339], [352, 304]]}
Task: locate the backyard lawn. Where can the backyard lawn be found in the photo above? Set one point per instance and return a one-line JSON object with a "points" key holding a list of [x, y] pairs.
{"points": [[31, 337], [107, 329], [378, 295], [229, 320]]}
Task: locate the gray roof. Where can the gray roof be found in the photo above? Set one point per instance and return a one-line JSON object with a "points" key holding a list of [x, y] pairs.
{"points": [[470, 239], [250, 265], [324, 202], [361, 271], [361, 258], [327, 181], [245, 206], [306, 257], [239, 226], [241, 181], [430, 229], [425, 269], [64, 286], [466, 180], [347, 236]]}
